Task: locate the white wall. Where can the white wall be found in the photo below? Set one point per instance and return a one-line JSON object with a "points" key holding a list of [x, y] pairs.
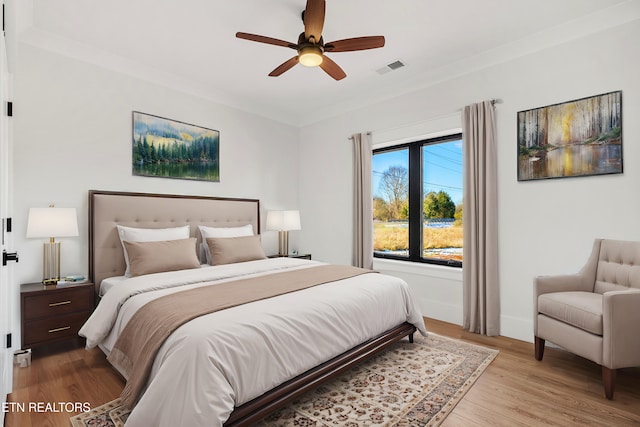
{"points": [[73, 134], [547, 226]]}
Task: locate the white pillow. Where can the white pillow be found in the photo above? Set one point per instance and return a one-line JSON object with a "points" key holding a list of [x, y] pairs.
{"points": [[131, 234], [209, 232]]}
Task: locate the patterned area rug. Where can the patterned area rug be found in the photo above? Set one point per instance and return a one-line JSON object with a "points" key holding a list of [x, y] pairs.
{"points": [[407, 385]]}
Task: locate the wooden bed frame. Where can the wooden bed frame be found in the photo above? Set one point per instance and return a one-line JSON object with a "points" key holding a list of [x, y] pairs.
{"points": [[256, 409], [146, 210]]}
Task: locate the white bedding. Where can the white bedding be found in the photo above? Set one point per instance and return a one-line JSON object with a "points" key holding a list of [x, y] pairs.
{"points": [[224, 359], [109, 283]]}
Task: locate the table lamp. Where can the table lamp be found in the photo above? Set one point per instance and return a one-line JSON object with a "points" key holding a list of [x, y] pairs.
{"points": [[283, 222], [52, 222]]}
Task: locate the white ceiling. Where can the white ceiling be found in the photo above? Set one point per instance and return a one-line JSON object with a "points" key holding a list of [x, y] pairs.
{"points": [[190, 45]]}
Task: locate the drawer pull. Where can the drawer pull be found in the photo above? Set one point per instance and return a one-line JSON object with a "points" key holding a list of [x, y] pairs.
{"points": [[59, 329], [55, 304]]}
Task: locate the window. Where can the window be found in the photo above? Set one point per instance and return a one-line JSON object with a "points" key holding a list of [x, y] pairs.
{"points": [[417, 201]]}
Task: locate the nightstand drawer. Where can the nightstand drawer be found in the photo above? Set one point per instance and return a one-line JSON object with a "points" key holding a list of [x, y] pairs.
{"points": [[54, 328], [52, 313], [58, 303]]}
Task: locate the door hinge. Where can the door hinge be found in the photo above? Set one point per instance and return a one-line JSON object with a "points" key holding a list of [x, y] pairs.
{"points": [[9, 256], [10, 108], [8, 341], [8, 225]]}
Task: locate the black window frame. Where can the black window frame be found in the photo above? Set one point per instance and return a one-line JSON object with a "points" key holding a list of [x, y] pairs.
{"points": [[415, 194]]}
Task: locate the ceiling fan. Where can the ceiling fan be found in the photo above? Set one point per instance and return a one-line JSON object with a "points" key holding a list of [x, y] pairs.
{"points": [[311, 46]]}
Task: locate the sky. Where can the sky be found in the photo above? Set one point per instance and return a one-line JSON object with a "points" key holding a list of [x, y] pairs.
{"points": [[442, 168]]}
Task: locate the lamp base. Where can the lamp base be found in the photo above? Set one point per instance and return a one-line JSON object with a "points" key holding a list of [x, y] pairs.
{"points": [[51, 263], [283, 243]]}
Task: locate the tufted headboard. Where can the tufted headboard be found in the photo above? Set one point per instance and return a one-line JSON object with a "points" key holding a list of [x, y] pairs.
{"points": [[109, 208]]}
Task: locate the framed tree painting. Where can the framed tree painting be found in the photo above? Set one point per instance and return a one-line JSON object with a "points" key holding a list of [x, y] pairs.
{"points": [[575, 138], [172, 149]]}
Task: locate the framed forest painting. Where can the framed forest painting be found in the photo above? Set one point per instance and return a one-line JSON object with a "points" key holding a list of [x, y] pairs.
{"points": [[172, 149], [575, 138]]}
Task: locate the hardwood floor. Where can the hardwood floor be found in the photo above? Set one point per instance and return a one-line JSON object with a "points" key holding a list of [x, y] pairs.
{"points": [[515, 390], [561, 390], [61, 373]]}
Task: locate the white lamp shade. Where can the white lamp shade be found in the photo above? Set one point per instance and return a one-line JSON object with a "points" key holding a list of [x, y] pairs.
{"points": [[283, 220], [52, 222]]}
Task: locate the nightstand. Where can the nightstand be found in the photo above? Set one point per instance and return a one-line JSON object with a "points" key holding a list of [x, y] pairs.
{"points": [[302, 256], [50, 313]]}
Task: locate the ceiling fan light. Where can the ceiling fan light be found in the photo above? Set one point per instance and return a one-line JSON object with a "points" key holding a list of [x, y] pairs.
{"points": [[310, 56]]}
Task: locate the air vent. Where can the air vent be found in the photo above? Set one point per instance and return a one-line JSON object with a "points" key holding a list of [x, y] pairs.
{"points": [[391, 67]]}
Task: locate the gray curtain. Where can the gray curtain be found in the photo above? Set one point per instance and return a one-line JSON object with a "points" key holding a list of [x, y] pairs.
{"points": [[362, 209], [481, 298]]}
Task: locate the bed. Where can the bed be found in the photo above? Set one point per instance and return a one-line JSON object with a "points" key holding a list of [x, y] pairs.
{"points": [[234, 365]]}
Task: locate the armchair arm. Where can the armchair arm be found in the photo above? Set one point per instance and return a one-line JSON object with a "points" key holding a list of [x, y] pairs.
{"points": [[561, 283], [620, 320], [583, 281]]}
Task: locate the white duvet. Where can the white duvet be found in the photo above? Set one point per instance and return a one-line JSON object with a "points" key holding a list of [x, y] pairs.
{"points": [[224, 359]]}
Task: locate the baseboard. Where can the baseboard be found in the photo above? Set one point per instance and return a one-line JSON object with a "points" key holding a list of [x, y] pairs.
{"points": [[516, 328], [510, 327]]}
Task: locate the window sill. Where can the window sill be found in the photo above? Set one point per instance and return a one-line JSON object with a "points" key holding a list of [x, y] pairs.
{"points": [[423, 269]]}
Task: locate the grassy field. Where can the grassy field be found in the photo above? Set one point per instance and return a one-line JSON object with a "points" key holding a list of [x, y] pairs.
{"points": [[395, 237]]}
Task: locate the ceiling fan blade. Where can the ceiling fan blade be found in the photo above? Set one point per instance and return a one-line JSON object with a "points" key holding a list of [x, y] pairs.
{"points": [[285, 66], [356, 43], [332, 68], [267, 40], [314, 19]]}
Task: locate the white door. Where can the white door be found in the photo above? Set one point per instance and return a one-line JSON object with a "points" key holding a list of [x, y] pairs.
{"points": [[7, 286]]}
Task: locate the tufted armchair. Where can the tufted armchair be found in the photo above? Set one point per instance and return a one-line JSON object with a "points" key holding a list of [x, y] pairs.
{"points": [[596, 312]]}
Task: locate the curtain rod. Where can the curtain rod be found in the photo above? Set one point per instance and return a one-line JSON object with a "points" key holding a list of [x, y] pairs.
{"points": [[493, 101]]}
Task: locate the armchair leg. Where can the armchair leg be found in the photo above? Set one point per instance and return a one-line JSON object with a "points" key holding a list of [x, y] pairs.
{"points": [[539, 351], [609, 380]]}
